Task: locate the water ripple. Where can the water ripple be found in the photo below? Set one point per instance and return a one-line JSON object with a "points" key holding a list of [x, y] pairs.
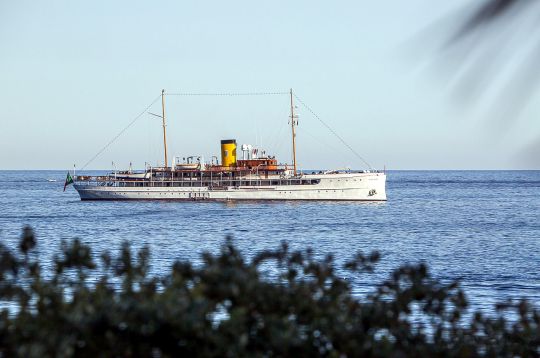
{"points": [[481, 227]]}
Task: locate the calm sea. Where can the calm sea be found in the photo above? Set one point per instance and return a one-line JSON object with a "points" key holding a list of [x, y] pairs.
{"points": [[481, 227]]}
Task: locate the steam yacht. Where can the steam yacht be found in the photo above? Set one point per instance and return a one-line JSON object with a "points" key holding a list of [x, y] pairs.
{"points": [[252, 176]]}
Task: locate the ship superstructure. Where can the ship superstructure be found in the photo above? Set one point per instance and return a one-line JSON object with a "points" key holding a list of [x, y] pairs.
{"points": [[256, 176]]}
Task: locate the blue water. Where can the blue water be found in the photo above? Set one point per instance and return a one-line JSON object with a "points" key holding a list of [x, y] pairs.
{"points": [[481, 227]]}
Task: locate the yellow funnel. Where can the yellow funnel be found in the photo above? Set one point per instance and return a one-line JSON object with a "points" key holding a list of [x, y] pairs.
{"points": [[228, 152]]}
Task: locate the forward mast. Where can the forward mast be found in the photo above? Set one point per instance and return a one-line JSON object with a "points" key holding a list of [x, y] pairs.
{"points": [[294, 123]]}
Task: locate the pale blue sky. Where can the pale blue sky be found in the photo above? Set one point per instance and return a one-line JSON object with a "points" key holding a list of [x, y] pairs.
{"points": [[74, 73]]}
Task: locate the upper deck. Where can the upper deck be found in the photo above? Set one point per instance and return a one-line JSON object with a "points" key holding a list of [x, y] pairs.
{"points": [[214, 178]]}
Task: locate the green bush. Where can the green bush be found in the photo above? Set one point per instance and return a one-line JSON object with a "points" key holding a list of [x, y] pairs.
{"points": [[227, 307]]}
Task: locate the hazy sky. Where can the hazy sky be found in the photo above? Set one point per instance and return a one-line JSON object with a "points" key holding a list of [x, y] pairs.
{"points": [[74, 73]]}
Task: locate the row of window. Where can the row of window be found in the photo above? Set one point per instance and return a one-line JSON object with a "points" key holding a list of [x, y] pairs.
{"points": [[237, 183]]}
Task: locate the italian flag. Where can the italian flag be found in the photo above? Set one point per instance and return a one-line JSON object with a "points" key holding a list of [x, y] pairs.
{"points": [[69, 180]]}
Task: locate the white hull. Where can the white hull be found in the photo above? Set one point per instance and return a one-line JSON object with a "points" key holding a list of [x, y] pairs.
{"points": [[344, 187]]}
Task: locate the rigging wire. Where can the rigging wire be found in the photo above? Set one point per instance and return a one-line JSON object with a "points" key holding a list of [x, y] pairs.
{"points": [[231, 94], [321, 142], [277, 140], [121, 132], [333, 132]]}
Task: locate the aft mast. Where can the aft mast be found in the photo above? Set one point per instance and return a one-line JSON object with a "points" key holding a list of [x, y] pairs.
{"points": [[164, 127], [294, 122]]}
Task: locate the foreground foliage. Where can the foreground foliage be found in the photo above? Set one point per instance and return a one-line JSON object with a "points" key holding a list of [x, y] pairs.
{"points": [[227, 307]]}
